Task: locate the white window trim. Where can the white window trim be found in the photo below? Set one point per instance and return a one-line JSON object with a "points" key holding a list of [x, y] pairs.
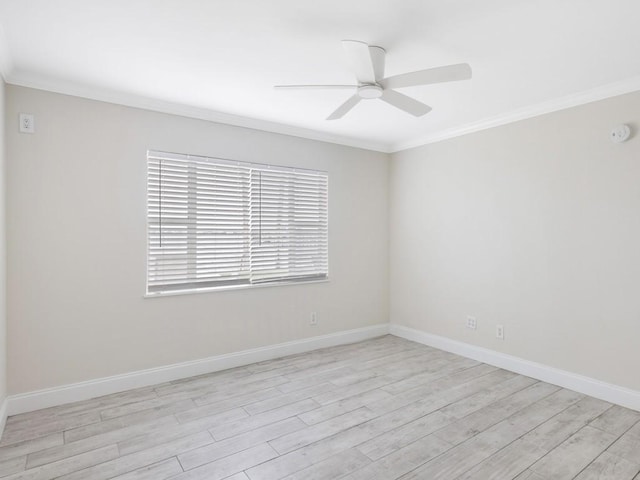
{"points": [[191, 291], [230, 287]]}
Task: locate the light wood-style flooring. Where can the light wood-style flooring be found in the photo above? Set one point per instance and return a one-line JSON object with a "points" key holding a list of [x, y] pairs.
{"points": [[385, 408]]}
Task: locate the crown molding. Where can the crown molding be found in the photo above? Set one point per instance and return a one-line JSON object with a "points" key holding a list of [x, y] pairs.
{"points": [[147, 103], [562, 103], [156, 105]]}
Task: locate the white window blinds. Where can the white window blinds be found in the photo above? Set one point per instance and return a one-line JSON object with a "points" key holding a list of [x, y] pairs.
{"points": [[214, 223]]}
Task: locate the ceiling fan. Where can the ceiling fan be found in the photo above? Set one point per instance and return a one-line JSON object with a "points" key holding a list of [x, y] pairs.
{"points": [[367, 62]]}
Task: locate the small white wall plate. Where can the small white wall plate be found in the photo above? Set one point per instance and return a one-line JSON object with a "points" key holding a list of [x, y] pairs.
{"points": [[27, 123], [620, 133]]}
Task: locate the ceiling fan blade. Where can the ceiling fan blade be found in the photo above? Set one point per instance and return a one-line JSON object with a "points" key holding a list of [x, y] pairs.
{"points": [[407, 104], [344, 108], [449, 73], [314, 87], [377, 58], [360, 58]]}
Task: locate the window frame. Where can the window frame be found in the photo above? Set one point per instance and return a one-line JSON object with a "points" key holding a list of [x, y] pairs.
{"points": [[191, 289]]}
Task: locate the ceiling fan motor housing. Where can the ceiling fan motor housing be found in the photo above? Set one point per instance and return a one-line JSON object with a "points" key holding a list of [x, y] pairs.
{"points": [[370, 91]]}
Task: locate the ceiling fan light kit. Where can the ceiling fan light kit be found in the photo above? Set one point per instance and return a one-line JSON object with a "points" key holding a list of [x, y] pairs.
{"points": [[367, 63]]}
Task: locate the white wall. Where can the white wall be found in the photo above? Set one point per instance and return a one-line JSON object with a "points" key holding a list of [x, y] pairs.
{"points": [[534, 225], [3, 262], [76, 243]]}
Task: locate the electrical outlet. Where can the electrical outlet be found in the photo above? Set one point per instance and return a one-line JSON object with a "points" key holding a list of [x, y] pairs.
{"points": [[500, 332], [471, 323], [314, 319], [27, 123]]}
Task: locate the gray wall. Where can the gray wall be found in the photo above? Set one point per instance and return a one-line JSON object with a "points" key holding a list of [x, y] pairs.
{"points": [[534, 225], [3, 257], [77, 245]]}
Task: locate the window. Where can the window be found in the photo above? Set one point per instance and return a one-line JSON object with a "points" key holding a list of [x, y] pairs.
{"points": [[219, 223]]}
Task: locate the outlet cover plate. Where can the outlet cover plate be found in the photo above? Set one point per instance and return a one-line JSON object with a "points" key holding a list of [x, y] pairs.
{"points": [[471, 323], [27, 123]]}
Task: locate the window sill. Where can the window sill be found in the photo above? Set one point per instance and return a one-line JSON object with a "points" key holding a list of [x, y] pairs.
{"points": [[192, 291]]}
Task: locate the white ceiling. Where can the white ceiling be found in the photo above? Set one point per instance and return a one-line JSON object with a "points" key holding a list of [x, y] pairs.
{"points": [[223, 56]]}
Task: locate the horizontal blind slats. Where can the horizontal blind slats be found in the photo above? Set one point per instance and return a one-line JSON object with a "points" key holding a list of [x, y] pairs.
{"points": [[289, 214], [215, 222]]}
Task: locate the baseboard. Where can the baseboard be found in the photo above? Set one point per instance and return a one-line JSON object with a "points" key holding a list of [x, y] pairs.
{"points": [[3, 415], [27, 402], [579, 383]]}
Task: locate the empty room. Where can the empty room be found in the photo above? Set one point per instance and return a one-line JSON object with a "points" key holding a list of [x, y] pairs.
{"points": [[269, 240]]}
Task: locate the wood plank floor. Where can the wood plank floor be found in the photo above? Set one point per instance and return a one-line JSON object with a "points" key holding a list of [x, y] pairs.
{"points": [[385, 408]]}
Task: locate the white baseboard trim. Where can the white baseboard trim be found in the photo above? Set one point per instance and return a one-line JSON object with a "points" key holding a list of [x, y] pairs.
{"points": [[27, 402], [572, 381], [3, 415]]}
